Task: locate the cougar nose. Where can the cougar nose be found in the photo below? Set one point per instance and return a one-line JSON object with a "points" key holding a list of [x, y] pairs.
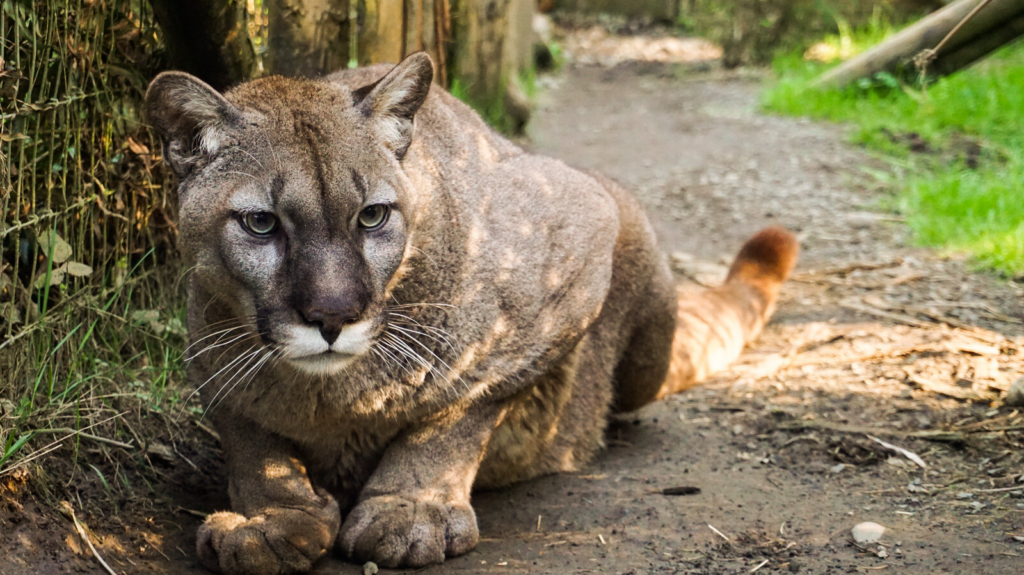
{"points": [[331, 319]]}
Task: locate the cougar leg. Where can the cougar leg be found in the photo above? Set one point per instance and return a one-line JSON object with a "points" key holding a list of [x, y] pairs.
{"points": [[644, 365]]}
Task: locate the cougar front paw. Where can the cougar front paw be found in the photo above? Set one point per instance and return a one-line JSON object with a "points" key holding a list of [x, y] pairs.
{"points": [[282, 540], [394, 531]]}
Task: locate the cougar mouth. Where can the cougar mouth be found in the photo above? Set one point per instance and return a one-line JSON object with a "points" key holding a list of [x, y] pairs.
{"points": [[325, 363], [308, 351]]}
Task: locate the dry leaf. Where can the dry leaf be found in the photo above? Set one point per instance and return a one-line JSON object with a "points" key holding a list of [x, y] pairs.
{"points": [[10, 312], [56, 276], [151, 317], [77, 269], [145, 315], [137, 148], [52, 242]]}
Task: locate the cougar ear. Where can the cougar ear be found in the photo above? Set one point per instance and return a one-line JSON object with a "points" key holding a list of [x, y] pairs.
{"points": [[392, 101], [193, 118]]}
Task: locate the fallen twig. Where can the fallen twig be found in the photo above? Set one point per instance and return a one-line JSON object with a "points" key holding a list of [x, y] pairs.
{"points": [[1001, 489], [843, 270], [906, 452], [940, 436], [96, 438], [717, 532], [896, 317], [945, 388], [85, 536]]}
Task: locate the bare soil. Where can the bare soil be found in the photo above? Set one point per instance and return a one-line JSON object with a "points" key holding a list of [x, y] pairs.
{"points": [[873, 338]]}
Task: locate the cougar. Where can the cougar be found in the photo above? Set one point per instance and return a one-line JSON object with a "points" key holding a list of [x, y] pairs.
{"points": [[390, 305]]}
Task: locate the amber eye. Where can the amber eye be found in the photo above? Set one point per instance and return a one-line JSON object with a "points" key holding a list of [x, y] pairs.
{"points": [[260, 223], [373, 217]]}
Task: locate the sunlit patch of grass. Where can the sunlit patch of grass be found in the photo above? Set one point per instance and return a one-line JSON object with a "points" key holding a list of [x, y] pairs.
{"points": [[849, 42], [948, 201]]}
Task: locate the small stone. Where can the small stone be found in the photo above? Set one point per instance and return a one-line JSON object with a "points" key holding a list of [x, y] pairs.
{"points": [[964, 495], [370, 568], [867, 532], [1015, 398], [837, 467]]}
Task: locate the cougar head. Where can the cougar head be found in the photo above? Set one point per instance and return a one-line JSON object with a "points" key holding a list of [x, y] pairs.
{"points": [[291, 202]]}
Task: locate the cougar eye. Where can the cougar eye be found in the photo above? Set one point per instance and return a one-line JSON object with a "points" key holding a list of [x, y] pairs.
{"points": [[260, 223], [373, 217]]}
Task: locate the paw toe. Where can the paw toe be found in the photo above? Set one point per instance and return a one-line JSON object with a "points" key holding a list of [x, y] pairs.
{"points": [[398, 532]]}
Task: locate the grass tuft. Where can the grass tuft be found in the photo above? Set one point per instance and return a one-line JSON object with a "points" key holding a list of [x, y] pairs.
{"points": [[960, 140]]}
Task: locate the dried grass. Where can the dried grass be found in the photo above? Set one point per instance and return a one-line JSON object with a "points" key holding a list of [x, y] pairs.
{"points": [[90, 314]]}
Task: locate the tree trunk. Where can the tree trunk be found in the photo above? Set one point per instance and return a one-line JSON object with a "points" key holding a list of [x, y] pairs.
{"points": [[382, 30], [926, 34], [492, 46], [207, 38], [307, 37]]}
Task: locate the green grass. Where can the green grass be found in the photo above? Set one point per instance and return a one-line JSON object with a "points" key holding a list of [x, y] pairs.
{"points": [[87, 360], [947, 203]]}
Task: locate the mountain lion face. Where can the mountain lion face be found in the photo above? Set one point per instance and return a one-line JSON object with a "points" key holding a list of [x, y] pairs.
{"points": [[294, 215]]}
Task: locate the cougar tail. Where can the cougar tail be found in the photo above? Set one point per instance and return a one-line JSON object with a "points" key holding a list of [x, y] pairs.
{"points": [[714, 325]]}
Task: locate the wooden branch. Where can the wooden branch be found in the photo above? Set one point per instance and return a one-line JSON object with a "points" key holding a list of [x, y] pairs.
{"points": [[926, 34], [977, 48]]}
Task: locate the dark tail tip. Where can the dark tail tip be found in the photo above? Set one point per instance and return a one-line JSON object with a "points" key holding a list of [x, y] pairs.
{"points": [[769, 256]]}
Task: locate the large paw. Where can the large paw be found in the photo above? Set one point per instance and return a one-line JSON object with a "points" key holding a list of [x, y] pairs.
{"points": [[394, 531], [282, 540]]}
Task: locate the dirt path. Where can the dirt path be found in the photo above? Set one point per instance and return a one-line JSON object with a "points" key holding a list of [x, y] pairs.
{"points": [[872, 338]]}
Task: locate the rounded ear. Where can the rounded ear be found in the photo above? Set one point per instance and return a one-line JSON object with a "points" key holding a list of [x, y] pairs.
{"points": [[392, 101], [193, 118]]}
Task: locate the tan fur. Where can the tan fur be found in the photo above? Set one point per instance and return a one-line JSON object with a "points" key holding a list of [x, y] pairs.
{"points": [[534, 294]]}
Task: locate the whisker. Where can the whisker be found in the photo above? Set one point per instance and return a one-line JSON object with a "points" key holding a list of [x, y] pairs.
{"points": [[409, 352], [412, 333], [435, 356], [390, 352], [244, 151], [197, 389], [425, 254], [238, 370], [431, 369], [409, 305], [206, 337], [435, 334], [248, 376], [216, 345], [241, 174]]}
